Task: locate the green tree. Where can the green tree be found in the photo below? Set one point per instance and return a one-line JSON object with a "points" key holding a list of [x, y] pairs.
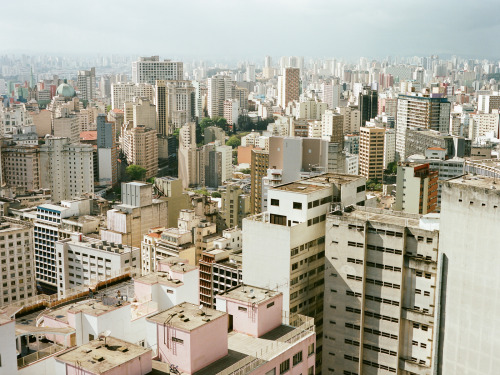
{"points": [[220, 122], [392, 168], [136, 172], [246, 171], [216, 194], [234, 141]]}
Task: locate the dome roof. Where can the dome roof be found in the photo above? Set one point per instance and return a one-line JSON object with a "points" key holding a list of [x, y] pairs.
{"points": [[65, 90]]}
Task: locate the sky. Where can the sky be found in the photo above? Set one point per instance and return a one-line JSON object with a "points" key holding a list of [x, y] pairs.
{"points": [[251, 29]]}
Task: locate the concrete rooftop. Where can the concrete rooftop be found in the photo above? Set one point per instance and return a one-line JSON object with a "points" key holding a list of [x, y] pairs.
{"points": [[247, 293], [186, 316]]}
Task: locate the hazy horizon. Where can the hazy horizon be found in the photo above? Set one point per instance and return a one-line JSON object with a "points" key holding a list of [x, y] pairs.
{"points": [[235, 30]]}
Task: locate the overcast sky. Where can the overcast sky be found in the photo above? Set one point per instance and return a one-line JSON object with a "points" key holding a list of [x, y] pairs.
{"points": [[250, 29]]}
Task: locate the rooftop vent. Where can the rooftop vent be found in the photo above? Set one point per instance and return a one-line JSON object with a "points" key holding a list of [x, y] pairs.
{"points": [[98, 358], [123, 349], [185, 320]]}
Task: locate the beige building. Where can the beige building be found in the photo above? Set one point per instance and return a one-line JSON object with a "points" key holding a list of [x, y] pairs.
{"points": [[66, 169], [332, 124], [235, 205], [174, 105], [352, 119], [127, 222], [219, 90], [188, 156], [371, 152], [16, 253], [380, 292], [171, 189], [140, 146], [66, 125], [122, 93], [231, 111], [258, 170], [21, 167]]}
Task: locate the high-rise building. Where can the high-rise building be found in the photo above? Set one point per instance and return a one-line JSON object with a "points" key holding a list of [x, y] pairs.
{"points": [[122, 93], [419, 112], [140, 146], [235, 205], [331, 94], [175, 105], [216, 164], [53, 223], [258, 170], [469, 282], [86, 84], [18, 258], [332, 124], [219, 90], [371, 152], [380, 292], [416, 188], [107, 151], [214, 133], [65, 124], [21, 167], [151, 69], [66, 168], [368, 104], [352, 119], [487, 103], [293, 230], [288, 86], [231, 111], [241, 95], [188, 156]]}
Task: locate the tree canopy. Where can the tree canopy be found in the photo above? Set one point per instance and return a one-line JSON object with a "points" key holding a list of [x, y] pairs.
{"points": [[136, 172], [220, 122], [234, 141]]}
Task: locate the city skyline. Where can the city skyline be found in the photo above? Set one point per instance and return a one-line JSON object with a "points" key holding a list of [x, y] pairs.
{"points": [[278, 28]]}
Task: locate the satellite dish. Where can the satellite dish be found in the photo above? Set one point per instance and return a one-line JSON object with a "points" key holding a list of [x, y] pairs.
{"points": [[106, 333], [200, 307]]}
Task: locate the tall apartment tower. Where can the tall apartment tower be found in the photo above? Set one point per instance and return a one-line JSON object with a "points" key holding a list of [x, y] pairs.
{"points": [[219, 90], [371, 152], [368, 104], [127, 92], [235, 205], [288, 86], [21, 166], [416, 188], [68, 169], [188, 156], [107, 152], [16, 249], [352, 119], [331, 94], [141, 148], [293, 230], [380, 292], [469, 285], [258, 170], [151, 69], [332, 124], [419, 112], [86, 84], [174, 105]]}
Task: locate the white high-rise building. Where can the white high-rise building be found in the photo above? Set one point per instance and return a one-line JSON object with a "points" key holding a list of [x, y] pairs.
{"points": [[174, 105], [219, 90], [419, 112], [151, 69], [250, 73], [470, 281], [127, 92], [293, 231], [67, 169], [331, 94], [86, 84], [380, 302]]}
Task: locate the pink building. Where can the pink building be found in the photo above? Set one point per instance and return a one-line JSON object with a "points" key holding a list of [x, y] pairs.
{"points": [[109, 356], [246, 334]]}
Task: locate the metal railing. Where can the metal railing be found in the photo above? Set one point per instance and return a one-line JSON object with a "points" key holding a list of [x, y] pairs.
{"points": [[243, 366], [33, 357]]}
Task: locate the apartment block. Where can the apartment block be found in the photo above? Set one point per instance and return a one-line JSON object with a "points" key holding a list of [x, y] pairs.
{"points": [[125, 92], [416, 188], [17, 256], [332, 124], [219, 90], [85, 261], [380, 313], [293, 230], [67, 168], [258, 170], [469, 276], [86, 84], [174, 105], [151, 69], [235, 205], [140, 145], [288, 86], [21, 167], [371, 152]]}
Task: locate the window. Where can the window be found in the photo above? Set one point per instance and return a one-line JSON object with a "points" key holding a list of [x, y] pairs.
{"points": [[284, 366], [275, 202], [310, 350], [270, 304], [310, 371], [297, 358], [175, 339], [240, 308], [297, 206], [271, 372]]}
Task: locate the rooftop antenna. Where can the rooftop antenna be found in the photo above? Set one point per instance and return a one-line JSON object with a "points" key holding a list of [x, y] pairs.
{"points": [[105, 334]]}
